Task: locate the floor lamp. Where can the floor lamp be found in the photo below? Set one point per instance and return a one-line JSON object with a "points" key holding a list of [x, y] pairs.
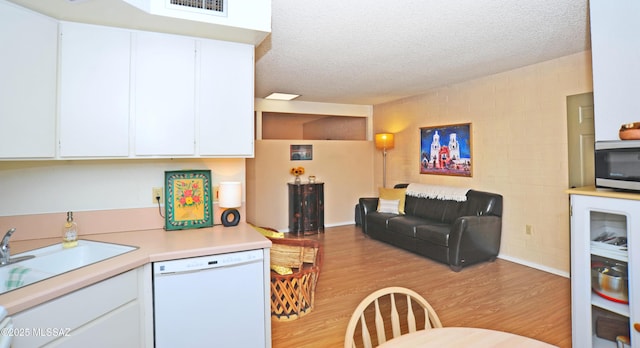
{"points": [[384, 142]]}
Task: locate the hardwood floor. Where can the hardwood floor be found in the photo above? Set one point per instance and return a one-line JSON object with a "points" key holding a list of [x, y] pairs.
{"points": [[500, 295]]}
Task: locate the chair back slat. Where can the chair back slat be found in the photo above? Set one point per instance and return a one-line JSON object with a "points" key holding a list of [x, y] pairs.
{"points": [[366, 336], [379, 310], [411, 318], [395, 317], [379, 324]]}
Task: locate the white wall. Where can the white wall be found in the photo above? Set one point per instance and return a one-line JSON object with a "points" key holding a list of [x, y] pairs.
{"points": [[344, 166], [37, 187]]}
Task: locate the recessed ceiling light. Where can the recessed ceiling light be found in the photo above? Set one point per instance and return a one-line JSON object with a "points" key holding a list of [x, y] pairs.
{"points": [[282, 96]]}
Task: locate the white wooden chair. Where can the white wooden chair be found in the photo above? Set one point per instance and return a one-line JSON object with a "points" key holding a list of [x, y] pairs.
{"points": [[402, 316]]}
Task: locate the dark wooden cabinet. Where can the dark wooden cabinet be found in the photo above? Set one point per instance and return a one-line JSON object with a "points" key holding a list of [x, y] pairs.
{"points": [[306, 208]]}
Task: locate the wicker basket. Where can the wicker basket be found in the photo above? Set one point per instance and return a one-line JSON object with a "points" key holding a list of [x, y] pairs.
{"points": [[292, 295]]}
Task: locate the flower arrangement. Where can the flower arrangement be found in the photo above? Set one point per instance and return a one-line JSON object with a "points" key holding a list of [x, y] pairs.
{"points": [[297, 171], [188, 193]]}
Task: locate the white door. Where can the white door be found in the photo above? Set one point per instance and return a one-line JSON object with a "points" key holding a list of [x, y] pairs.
{"points": [[581, 137]]}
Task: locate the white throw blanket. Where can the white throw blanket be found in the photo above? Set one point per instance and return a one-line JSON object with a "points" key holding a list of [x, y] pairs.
{"points": [[438, 192]]}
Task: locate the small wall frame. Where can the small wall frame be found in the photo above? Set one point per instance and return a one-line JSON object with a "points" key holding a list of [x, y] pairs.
{"points": [[188, 200], [301, 152], [446, 150]]}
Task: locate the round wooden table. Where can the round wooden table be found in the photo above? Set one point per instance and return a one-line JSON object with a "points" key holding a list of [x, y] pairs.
{"points": [[466, 337]]}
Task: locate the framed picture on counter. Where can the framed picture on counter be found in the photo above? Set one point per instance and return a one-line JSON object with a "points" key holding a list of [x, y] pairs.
{"points": [[188, 202]]}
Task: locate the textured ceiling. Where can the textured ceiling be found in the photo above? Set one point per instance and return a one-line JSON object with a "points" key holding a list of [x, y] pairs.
{"points": [[372, 51]]}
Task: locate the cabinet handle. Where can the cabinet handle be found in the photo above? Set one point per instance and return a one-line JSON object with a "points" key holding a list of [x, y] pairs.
{"points": [[636, 326]]}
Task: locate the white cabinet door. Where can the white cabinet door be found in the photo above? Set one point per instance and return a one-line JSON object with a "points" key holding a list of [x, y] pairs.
{"points": [[591, 216], [96, 309], [226, 97], [27, 83], [164, 94], [94, 90], [616, 73], [120, 328]]}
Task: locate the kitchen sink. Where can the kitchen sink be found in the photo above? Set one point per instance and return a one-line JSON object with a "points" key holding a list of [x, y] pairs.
{"points": [[53, 260]]}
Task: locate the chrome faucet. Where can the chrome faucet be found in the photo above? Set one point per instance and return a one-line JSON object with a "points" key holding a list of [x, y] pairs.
{"points": [[5, 251]]}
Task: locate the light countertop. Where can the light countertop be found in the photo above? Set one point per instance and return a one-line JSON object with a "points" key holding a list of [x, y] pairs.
{"points": [[153, 245], [602, 192]]}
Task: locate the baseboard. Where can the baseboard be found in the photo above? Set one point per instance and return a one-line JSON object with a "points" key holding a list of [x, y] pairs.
{"points": [[535, 265], [335, 224]]}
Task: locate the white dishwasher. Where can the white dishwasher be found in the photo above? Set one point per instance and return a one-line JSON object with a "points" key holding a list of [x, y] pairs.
{"points": [[210, 301]]}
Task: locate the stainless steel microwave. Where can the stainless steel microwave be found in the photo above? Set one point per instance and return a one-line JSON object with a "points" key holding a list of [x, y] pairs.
{"points": [[617, 164]]}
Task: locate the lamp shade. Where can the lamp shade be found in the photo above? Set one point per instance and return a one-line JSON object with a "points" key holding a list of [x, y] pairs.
{"points": [[384, 141], [230, 194]]}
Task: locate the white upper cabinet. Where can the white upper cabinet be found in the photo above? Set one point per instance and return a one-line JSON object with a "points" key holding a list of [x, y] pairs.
{"points": [[164, 90], [72, 90], [94, 90], [27, 83], [225, 99], [616, 73]]}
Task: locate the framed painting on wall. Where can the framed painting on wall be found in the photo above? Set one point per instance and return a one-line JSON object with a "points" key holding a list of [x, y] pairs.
{"points": [[446, 150], [188, 202], [301, 152]]}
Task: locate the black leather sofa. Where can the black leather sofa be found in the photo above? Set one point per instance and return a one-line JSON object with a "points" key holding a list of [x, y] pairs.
{"points": [[452, 232]]}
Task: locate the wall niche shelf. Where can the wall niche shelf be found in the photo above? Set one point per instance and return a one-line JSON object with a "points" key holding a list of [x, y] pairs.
{"points": [[279, 125]]}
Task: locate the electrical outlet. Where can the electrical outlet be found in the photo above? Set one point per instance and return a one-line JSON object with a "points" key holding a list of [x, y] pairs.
{"points": [[157, 192], [528, 230], [215, 193]]}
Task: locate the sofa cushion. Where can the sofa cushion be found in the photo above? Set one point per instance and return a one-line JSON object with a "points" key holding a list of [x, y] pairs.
{"points": [[434, 209], [404, 225], [454, 210], [436, 233], [393, 193], [431, 209], [379, 219]]}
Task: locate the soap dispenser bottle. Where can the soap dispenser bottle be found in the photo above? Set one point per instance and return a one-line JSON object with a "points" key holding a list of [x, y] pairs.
{"points": [[70, 232]]}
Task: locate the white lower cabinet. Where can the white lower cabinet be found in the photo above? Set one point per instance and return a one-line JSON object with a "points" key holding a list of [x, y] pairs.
{"points": [[107, 314], [118, 328], [598, 223]]}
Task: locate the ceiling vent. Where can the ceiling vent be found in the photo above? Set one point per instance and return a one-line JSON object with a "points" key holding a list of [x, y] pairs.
{"points": [[212, 7]]}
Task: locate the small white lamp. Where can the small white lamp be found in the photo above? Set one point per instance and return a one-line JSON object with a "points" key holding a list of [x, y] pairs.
{"points": [[230, 197]]}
